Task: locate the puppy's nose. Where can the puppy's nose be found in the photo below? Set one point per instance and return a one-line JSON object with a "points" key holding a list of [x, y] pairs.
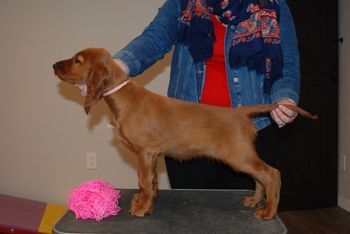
{"points": [[56, 65]]}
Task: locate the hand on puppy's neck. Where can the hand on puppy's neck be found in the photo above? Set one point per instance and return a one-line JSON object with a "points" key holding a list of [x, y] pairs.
{"points": [[122, 66]]}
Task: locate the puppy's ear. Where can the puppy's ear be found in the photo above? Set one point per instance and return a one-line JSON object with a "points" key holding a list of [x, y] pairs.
{"points": [[96, 85]]}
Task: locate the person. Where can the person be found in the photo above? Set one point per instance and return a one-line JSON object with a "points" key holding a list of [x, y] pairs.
{"points": [[226, 53]]}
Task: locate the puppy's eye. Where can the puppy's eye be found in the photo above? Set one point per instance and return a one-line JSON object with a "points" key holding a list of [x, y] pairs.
{"points": [[78, 59]]}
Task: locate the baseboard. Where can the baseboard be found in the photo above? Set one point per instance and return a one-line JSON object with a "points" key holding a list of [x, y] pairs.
{"points": [[344, 203]]}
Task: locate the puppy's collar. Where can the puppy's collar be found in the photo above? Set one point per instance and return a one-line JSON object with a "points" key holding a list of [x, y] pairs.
{"points": [[115, 89]]}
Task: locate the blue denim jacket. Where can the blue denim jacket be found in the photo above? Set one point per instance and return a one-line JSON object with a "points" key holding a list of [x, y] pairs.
{"points": [[187, 78]]}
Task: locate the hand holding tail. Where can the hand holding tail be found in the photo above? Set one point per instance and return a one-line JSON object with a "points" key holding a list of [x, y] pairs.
{"points": [[283, 115]]}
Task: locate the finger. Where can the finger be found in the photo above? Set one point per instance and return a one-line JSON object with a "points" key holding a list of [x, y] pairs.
{"points": [[277, 119], [281, 125], [290, 113], [285, 118]]}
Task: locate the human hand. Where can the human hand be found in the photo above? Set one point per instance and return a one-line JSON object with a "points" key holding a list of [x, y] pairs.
{"points": [[122, 66], [282, 115]]}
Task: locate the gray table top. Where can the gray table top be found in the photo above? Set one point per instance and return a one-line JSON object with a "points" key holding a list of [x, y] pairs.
{"points": [[180, 211]]}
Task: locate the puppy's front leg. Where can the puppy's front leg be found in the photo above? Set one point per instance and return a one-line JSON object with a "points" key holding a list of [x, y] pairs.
{"points": [[142, 202]]}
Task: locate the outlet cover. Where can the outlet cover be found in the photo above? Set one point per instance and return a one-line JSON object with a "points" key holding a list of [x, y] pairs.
{"points": [[343, 162], [91, 161]]}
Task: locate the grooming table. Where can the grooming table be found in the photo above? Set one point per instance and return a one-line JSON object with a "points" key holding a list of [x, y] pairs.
{"points": [[24, 216], [179, 211]]}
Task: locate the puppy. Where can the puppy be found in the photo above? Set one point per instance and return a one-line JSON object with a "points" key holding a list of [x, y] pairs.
{"points": [[152, 126]]}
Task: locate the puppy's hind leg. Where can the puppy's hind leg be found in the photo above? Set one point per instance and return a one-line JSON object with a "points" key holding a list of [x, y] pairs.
{"points": [[247, 161], [272, 186], [143, 202]]}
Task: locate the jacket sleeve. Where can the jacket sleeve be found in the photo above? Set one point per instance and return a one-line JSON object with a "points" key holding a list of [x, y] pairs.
{"points": [[289, 85], [154, 42]]}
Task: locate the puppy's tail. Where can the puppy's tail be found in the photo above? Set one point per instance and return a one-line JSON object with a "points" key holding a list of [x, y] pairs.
{"points": [[263, 108]]}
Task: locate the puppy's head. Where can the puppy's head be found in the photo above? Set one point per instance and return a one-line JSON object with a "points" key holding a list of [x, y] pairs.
{"points": [[91, 67]]}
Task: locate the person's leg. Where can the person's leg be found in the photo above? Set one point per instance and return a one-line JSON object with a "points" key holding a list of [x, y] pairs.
{"points": [[267, 144]]}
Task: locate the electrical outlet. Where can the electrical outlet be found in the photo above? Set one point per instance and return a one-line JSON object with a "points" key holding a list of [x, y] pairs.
{"points": [[91, 160], [343, 162]]}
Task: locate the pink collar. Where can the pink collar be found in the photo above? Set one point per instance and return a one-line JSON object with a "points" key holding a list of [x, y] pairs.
{"points": [[116, 88]]}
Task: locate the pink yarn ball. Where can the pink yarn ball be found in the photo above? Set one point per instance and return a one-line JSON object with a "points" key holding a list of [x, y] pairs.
{"points": [[94, 199]]}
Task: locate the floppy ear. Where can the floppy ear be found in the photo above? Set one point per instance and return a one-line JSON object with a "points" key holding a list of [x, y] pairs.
{"points": [[96, 85]]}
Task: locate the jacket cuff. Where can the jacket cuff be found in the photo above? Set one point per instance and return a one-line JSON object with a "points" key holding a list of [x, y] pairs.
{"points": [[284, 93], [130, 61]]}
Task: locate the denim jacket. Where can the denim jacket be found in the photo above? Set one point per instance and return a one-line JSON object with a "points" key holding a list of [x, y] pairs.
{"points": [[187, 78]]}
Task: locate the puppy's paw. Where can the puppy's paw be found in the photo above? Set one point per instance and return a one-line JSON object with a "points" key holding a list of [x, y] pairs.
{"points": [[252, 201], [140, 206], [138, 212], [265, 213]]}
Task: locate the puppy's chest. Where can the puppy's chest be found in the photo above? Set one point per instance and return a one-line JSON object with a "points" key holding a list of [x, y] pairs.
{"points": [[120, 134]]}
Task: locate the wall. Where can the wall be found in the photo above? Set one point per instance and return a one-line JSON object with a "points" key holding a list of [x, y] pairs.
{"points": [[344, 106], [45, 134]]}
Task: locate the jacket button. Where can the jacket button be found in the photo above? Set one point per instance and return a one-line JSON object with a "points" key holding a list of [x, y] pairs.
{"points": [[236, 79]]}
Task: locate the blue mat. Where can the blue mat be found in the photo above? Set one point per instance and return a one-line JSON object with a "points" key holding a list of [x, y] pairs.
{"points": [[180, 211]]}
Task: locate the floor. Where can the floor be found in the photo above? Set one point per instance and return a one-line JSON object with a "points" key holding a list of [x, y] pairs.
{"points": [[318, 221]]}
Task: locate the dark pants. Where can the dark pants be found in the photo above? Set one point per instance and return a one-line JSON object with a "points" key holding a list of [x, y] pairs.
{"points": [[206, 173]]}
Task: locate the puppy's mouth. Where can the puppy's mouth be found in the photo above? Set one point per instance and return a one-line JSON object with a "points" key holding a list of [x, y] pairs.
{"points": [[61, 74], [81, 85], [70, 80]]}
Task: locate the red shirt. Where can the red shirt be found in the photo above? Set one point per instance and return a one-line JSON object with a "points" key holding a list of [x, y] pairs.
{"points": [[215, 90]]}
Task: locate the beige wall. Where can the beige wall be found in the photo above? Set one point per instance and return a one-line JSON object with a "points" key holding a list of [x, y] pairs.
{"points": [[44, 131], [344, 105]]}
